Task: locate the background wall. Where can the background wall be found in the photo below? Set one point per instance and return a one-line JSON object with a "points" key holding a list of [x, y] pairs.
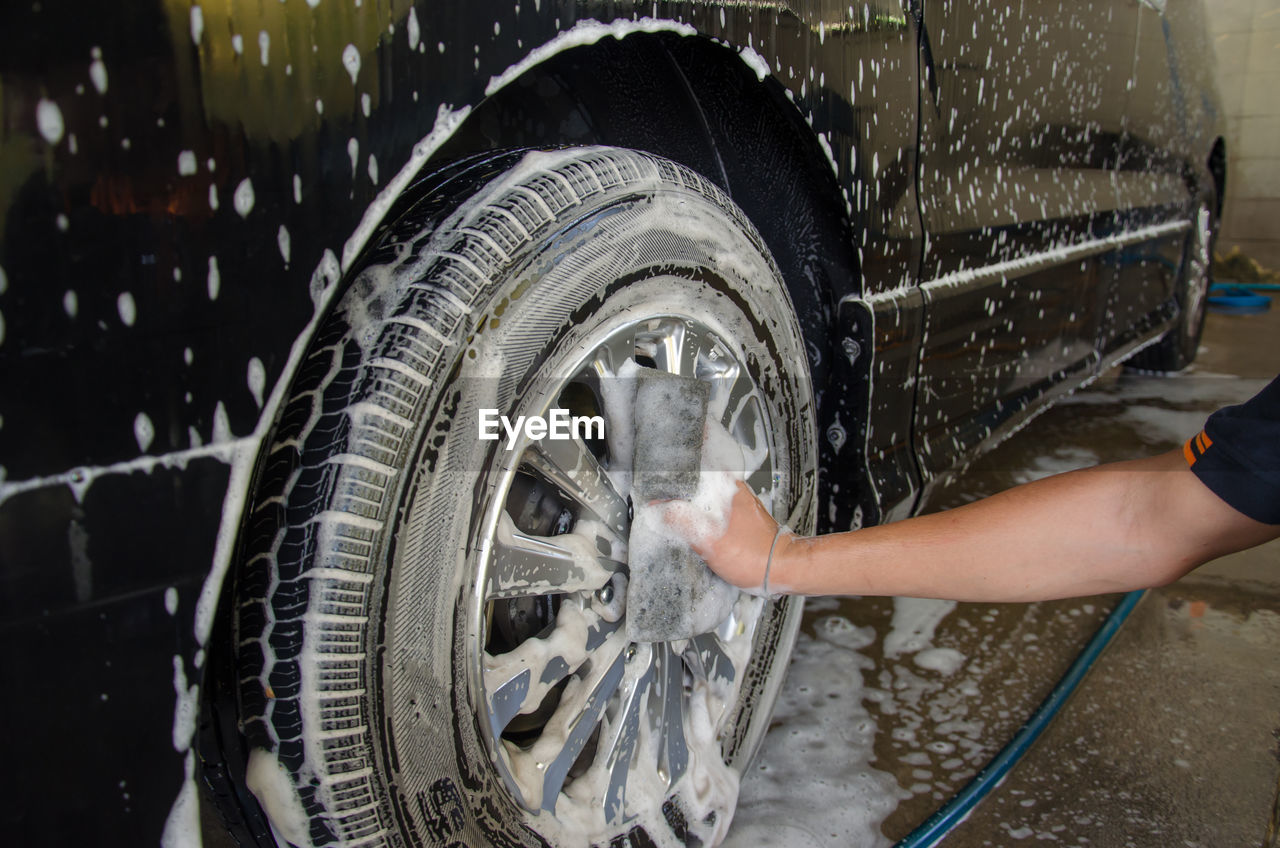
{"points": [[1246, 36]]}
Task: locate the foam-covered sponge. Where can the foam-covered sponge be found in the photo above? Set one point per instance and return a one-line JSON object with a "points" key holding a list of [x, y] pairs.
{"points": [[671, 595]]}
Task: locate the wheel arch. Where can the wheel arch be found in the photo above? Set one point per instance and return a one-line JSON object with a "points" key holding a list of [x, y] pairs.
{"points": [[713, 109], [701, 104]]}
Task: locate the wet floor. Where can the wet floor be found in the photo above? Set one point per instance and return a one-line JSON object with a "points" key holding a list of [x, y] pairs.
{"points": [[892, 706]]}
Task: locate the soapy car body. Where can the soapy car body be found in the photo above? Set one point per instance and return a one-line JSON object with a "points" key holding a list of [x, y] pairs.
{"points": [[959, 212]]}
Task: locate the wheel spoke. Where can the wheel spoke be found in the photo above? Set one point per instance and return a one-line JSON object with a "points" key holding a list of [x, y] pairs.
{"points": [[571, 466], [601, 367], [575, 720], [676, 349], [723, 386], [613, 353], [708, 659], [673, 749], [519, 680], [506, 700], [524, 564], [729, 404], [616, 752]]}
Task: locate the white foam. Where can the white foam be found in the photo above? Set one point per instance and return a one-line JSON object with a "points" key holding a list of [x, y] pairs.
{"points": [[272, 785], [798, 793], [914, 622], [98, 71], [708, 784], [755, 62], [79, 480], [945, 661], [184, 717], [351, 61], [243, 198], [197, 25], [127, 309], [49, 120], [257, 379], [144, 431], [215, 278], [182, 827], [283, 242], [840, 631], [415, 31]]}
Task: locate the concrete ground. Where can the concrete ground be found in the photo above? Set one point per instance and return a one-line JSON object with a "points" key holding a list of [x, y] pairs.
{"points": [[892, 705]]}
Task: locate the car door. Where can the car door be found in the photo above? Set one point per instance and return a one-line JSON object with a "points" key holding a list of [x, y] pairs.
{"points": [[1020, 128], [1151, 193]]}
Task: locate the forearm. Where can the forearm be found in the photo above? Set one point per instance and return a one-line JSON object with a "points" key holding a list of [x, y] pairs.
{"points": [[1106, 529]]}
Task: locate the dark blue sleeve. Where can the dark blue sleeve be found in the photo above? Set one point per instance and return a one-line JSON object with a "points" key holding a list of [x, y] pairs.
{"points": [[1237, 455]]}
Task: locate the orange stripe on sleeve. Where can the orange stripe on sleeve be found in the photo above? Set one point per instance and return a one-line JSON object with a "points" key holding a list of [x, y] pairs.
{"points": [[1205, 441], [1188, 453]]}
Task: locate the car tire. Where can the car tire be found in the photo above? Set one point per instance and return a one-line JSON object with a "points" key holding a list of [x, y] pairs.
{"points": [[378, 645], [1177, 348]]}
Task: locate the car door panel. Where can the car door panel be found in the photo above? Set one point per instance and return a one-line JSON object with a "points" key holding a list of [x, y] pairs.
{"points": [[1018, 148], [1151, 186]]}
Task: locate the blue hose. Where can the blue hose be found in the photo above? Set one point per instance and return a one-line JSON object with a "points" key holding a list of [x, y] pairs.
{"points": [[940, 823], [1234, 298], [1254, 286]]}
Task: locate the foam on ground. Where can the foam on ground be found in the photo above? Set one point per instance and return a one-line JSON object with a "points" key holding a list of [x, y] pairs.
{"points": [[914, 621], [813, 786]]}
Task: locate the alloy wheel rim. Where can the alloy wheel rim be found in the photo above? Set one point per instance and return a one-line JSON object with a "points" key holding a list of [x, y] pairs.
{"points": [[579, 721]]}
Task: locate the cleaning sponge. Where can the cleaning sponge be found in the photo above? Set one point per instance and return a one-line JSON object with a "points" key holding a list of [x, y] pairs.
{"points": [[672, 594]]}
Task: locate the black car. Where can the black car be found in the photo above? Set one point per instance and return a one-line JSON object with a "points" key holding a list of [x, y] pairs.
{"points": [[264, 267]]}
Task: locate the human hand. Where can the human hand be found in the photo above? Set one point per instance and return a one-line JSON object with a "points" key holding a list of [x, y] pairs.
{"points": [[738, 551]]}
